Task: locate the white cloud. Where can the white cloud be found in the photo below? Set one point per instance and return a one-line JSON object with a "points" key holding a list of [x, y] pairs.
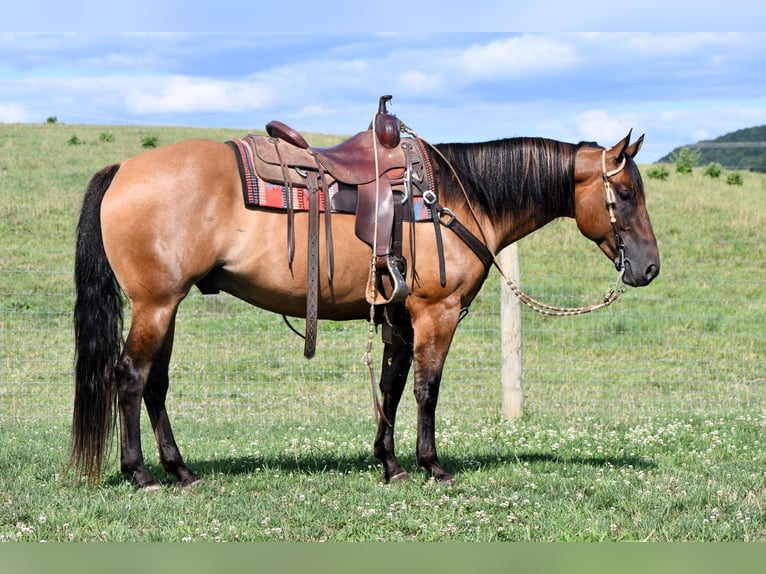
{"points": [[599, 125], [13, 113], [516, 56], [680, 44], [183, 94], [444, 73], [449, 87], [312, 111], [420, 83]]}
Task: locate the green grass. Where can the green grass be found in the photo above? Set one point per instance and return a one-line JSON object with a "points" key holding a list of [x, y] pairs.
{"points": [[643, 422], [537, 479]]}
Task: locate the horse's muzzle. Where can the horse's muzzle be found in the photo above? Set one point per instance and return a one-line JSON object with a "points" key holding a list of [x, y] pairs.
{"points": [[640, 274]]}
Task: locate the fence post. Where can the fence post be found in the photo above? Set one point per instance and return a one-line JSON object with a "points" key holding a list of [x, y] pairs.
{"points": [[510, 329]]}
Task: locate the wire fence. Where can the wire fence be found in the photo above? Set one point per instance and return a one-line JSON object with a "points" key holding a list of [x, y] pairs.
{"points": [[690, 344]]}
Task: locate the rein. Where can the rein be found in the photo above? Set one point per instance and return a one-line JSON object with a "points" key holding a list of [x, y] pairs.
{"points": [[615, 289]]}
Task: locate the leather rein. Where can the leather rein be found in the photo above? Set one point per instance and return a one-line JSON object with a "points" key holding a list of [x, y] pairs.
{"points": [[482, 251], [615, 289]]}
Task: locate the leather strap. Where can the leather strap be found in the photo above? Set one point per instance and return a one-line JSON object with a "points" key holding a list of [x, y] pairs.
{"points": [[396, 234], [474, 243], [436, 211], [327, 223], [288, 187], [312, 290]]}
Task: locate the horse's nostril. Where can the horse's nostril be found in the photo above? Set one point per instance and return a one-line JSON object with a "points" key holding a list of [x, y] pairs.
{"points": [[652, 271]]}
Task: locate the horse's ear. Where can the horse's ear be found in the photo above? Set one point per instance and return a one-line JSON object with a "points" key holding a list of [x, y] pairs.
{"points": [[621, 146], [633, 148]]}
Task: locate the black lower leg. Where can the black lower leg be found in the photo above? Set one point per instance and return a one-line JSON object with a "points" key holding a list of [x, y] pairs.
{"points": [[129, 392], [397, 358]]}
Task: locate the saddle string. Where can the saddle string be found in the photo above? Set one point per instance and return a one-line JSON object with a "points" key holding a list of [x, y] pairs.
{"points": [[615, 289], [367, 357], [290, 212], [293, 329]]}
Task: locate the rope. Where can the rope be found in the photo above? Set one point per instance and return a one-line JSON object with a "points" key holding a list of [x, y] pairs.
{"points": [[367, 357], [615, 290]]}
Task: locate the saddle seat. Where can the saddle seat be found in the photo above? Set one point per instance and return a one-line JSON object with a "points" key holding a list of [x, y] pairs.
{"points": [[351, 161], [354, 160]]}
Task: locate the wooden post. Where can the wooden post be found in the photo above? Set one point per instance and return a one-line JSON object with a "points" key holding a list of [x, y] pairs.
{"points": [[510, 328]]}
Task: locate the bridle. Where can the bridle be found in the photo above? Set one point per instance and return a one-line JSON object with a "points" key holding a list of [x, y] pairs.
{"points": [[616, 288], [611, 204]]}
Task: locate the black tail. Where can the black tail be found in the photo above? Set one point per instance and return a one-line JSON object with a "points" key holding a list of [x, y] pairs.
{"points": [[98, 336]]}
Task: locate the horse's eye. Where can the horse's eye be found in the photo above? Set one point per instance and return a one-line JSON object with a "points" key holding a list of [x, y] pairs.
{"points": [[626, 194]]}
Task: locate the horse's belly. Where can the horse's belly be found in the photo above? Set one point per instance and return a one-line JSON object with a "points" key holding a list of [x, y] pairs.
{"points": [[257, 269], [285, 297]]}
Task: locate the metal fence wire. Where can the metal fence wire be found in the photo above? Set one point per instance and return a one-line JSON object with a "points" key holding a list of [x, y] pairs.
{"points": [[690, 343]]}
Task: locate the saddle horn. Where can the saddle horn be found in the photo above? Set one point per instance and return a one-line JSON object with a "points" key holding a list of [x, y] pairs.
{"points": [[387, 126]]}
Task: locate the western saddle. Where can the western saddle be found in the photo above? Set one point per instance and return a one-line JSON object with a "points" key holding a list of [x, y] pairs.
{"points": [[370, 169]]}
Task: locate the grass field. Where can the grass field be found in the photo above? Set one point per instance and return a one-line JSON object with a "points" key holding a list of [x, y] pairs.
{"points": [[644, 422]]}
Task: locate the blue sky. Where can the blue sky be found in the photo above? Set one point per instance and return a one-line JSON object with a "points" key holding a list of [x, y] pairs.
{"points": [[677, 87]]}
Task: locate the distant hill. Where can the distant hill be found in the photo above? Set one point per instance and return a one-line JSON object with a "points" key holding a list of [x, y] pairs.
{"points": [[743, 149]]}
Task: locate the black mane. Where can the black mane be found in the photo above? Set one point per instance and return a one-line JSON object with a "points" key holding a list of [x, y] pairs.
{"points": [[518, 175]]}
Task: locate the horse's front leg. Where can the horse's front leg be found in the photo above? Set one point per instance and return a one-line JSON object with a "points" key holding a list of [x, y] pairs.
{"points": [[433, 335], [397, 358]]}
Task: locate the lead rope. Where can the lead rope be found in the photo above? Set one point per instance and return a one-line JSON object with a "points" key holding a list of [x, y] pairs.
{"points": [[367, 357], [615, 289]]}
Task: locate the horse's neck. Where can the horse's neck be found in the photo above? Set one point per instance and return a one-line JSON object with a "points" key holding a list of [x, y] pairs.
{"points": [[540, 189], [518, 227], [499, 232]]}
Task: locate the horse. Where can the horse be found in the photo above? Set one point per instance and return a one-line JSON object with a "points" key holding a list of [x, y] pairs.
{"points": [[171, 218]]}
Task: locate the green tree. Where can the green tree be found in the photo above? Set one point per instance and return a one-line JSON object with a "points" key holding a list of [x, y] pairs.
{"points": [[659, 172], [734, 178], [713, 170], [686, 159]]}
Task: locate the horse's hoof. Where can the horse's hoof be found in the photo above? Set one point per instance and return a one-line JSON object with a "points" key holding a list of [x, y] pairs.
{"points": [[398, 477], [190, 482], [150, 486], [445, 479]]}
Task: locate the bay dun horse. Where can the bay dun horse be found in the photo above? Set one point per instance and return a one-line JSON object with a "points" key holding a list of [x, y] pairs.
{"points": [[173, 217]]}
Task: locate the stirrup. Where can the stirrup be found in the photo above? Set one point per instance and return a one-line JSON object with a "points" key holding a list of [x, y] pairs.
{"points": [[390, 284]]}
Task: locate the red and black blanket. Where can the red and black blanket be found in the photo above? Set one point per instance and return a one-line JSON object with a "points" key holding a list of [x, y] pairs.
{"points": [[259, 193]]}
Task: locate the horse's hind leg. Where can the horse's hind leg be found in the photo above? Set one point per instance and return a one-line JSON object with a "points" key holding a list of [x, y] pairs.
{"points": [[154, 396], [142, 373], [132, 371], [397, 358]]}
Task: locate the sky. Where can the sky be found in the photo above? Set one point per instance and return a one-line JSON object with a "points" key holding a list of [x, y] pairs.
{"points": [[676, 87]]}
